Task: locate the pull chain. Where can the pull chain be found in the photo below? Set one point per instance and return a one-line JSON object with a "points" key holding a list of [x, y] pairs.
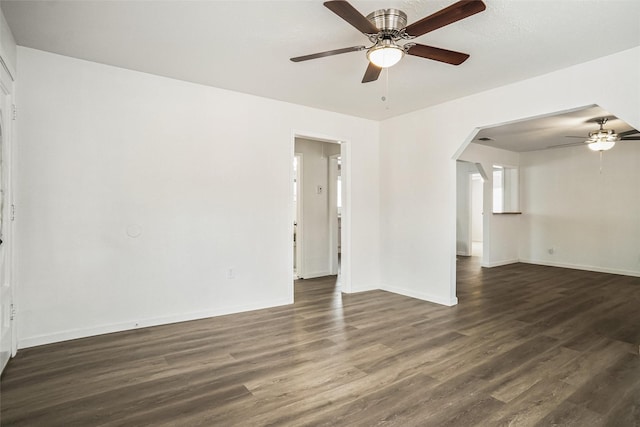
{"points": [[600, 162], [385, 97]]}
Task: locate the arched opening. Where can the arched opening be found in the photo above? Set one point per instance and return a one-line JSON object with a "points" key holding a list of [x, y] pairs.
{"points": [[574, 207]]}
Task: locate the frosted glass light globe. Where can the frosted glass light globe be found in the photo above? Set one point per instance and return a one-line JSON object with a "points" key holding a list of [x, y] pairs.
{"points": [[385, 55], [602, 145]]}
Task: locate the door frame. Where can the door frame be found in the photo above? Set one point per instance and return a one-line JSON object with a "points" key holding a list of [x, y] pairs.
{"points": [[6, 120], [298, 230], [333, 213], [345, 154]]}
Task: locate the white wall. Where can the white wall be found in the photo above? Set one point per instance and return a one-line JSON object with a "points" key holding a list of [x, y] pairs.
{"points": [[587, 219], [463, 207], [477, 209], [203, 174], [418, 174], [500, 238], [315, 207], [8, 49]]}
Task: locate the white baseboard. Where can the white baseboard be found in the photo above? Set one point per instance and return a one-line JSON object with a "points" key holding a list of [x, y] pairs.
{"points": [[499, 263], [420, 295], [360, 290], [73, 334], [583, 267], [317, 274]]}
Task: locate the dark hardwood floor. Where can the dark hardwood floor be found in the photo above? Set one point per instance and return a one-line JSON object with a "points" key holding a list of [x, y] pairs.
{"points": [[526, 345]]}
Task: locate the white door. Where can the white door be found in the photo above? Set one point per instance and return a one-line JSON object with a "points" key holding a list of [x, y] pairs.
{"points": [[7, 347]]}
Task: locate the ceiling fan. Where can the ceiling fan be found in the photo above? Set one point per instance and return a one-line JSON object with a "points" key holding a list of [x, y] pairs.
{"points": [[386, 27], [602, 139]]}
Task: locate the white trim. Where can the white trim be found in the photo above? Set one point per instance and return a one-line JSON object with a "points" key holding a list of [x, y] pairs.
{"points": [[7, 104], [297, 175], [583, 267], [333, 213], [499, 263], [318, 274], [72, 334], [345, 217], [420, 295]]}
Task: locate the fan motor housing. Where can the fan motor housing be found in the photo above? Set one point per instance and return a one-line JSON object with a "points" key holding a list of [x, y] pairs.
{"points": [[388, 20]]}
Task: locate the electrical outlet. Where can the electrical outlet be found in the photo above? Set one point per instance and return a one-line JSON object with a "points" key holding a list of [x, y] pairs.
{"points": [[231, 274], [551, 251]]}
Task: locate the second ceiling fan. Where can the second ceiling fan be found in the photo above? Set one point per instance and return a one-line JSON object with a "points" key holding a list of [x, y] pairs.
{"points": [[386, 27]]}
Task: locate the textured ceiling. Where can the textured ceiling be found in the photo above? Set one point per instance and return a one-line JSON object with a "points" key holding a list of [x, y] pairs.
{"points": [[245, 46], [552, 131]]}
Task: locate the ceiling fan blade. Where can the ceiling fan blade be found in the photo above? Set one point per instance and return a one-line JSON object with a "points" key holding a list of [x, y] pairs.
{"points": [[350, 14], [629, 133], [372, 73], [328, 53], [446, 16], [437, 54], [570, 144]]}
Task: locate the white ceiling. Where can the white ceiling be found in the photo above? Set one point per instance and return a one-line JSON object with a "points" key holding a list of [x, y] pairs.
{"points": [[552, 131], [245, 46]]}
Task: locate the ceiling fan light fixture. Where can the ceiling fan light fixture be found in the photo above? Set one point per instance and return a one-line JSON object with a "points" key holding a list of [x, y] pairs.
{"points": [[385, 54], [385, 27], [601, 145], [602, 139]]}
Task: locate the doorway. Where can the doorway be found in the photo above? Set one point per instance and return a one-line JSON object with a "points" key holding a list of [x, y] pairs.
{"points": [[319, 209]]}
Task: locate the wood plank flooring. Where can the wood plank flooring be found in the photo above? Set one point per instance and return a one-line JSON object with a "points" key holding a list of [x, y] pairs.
{"points": [[526, 346]]}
